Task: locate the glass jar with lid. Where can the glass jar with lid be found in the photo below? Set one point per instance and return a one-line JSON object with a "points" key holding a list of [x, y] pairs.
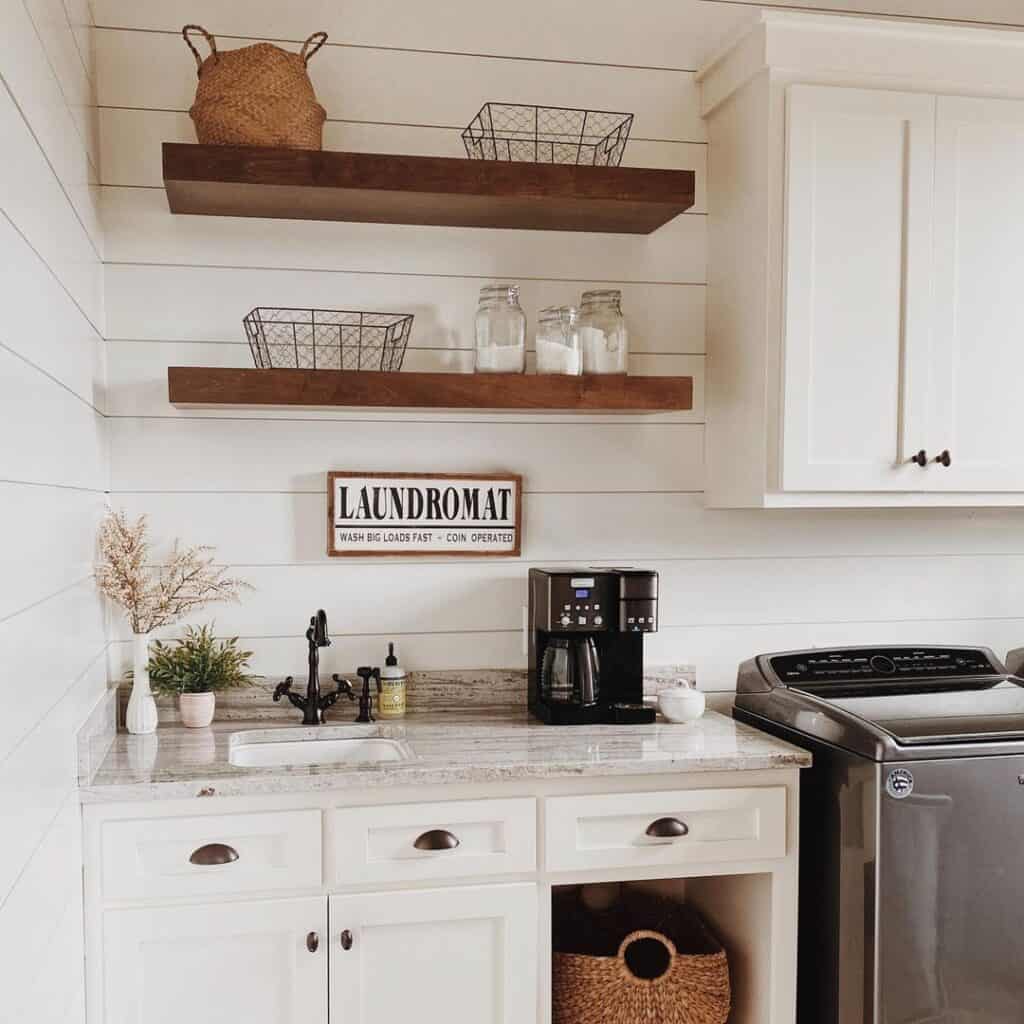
{"points": [[604, 340], [558, 341], [500, 330]]}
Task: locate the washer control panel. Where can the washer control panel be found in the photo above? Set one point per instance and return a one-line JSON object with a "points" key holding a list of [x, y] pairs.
{"points": [[867, 664]]}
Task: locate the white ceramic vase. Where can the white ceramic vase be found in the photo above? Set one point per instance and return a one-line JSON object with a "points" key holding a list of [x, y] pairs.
{"points": [[197, 709], [141, 717]]}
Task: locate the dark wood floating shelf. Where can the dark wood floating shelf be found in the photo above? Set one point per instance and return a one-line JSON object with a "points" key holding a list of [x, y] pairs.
{"points": [[201, 385], [300, 184]]}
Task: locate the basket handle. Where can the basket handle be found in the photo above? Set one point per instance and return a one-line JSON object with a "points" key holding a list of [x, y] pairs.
{"points": [[195, 53], [636, 937], [305, 53]]}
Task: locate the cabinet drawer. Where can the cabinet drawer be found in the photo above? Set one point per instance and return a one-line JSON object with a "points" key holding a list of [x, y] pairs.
{"points": [[622, 829], [410, 842], [211, 854]]}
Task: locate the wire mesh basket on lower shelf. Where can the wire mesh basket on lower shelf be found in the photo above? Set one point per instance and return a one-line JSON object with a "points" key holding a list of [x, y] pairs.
{"points": [[327, 339], [551, 135]]}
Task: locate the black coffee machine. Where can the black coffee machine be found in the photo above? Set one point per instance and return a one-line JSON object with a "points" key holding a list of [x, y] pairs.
{"points": [[586, 644]]}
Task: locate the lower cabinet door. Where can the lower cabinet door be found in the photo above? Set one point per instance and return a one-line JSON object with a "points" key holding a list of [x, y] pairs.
{"points": [[435, 956], [261, 962]]}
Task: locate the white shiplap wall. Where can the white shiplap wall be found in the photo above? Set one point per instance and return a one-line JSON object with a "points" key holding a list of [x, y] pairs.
{"points": [[53, 475], [400, 76]]}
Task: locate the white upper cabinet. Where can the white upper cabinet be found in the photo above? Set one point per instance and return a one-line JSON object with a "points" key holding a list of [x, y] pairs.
{"points": [[858, 286], [866, 265], [979, 294]]}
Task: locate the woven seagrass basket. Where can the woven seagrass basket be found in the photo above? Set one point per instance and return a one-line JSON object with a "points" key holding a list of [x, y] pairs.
{"points": [[673, 973], [257, 95]]}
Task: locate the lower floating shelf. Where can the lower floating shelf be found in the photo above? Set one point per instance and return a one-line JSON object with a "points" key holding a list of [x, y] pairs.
{"points": [[201, 385]]}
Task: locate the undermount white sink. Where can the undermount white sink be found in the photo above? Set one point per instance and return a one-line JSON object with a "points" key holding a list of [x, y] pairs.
{"points": [[268, 748]]}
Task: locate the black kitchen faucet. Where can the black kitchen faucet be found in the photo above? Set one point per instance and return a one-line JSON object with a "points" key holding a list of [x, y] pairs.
{"points": [[313, 705]]}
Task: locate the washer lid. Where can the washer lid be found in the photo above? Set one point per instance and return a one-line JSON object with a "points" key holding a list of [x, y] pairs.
{"points": [[918, 695], [890, 703], [934, 714]]}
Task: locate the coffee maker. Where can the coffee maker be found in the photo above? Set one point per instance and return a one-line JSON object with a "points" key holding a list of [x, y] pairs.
{"points": [[586, 644]]}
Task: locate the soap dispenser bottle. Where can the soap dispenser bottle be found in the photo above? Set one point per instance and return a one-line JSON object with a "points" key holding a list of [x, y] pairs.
{"points": [[392, 687]]}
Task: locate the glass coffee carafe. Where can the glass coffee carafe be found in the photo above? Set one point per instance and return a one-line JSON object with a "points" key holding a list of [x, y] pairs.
{"points": [[570, 673]]}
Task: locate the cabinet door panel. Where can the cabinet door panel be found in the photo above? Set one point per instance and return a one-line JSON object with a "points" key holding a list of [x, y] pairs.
{"points": [[215, 963], [858, 288], [438, 956], [979, 294]]}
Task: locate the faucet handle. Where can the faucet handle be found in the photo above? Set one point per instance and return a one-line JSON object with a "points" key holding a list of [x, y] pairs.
{"points": [[344, 688], [282, 688]]}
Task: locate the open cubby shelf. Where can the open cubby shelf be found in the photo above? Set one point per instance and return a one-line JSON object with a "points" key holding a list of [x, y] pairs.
{"points": [[300, 184], [202, 385]]}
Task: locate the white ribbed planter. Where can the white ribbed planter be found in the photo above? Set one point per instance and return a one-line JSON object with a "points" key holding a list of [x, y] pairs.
{"points": [[197, 709], [141, 717]]}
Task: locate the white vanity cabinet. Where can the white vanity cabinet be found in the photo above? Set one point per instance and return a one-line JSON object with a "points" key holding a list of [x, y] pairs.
{"points": [[430, 903], [262, 962], [866, 277], [455, 956]]}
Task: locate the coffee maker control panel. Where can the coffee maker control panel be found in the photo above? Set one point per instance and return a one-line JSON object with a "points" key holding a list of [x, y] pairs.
{"points": [[581, 603]]}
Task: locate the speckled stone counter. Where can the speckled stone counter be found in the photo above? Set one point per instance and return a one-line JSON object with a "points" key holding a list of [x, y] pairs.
{"points": [[176, 762]]}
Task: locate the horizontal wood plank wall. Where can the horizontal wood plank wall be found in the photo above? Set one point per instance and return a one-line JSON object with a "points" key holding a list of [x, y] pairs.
{"points": [[54, 473], [401, 77]]}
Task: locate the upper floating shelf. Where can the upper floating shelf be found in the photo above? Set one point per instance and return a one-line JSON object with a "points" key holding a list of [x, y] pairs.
{"points": [[300, 184]]}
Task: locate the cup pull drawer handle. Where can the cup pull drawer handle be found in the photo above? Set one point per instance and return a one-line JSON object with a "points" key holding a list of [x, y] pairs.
{"points": [[214, 853], [436, 840], [667, 828]]}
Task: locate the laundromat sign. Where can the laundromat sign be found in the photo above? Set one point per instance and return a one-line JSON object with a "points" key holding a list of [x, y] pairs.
{"points": [[424, 514]]}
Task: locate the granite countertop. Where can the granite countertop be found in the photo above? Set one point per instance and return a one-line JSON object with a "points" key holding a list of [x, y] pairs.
{"points": [[176, 762]]}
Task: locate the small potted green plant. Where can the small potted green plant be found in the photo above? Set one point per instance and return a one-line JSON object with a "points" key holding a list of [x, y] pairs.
{"points": [[195, 668]]}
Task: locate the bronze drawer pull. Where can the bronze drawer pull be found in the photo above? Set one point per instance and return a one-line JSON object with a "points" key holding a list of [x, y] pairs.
{"points": [[667, 828], [944, 458], [312, 942], [346, 939], [214, 853], [436, 840], [921, 458]]}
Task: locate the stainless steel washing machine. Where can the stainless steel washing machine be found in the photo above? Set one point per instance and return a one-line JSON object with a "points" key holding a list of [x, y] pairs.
{"points": [[911, 830]]}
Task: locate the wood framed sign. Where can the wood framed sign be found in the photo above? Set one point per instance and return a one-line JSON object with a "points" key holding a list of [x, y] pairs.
{"points": [[468, 514]]}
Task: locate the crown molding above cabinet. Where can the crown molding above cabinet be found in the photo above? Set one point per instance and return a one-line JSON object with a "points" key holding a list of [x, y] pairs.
{"points": [[864, 220]]}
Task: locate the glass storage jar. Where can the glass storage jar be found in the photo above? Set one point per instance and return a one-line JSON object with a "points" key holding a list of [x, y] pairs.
{"points": [[602, 328], [558, 341], [500, 330]]}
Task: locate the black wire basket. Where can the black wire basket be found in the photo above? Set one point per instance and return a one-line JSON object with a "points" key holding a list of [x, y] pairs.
{"points": [[327, 339], [549, 135]]}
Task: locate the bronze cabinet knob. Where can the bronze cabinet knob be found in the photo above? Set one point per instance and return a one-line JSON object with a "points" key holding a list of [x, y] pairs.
{"points": [[944, 458], [921, 458], [667, 828], [436, 840], [312, 942], [346, 939], [214, 853]]}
